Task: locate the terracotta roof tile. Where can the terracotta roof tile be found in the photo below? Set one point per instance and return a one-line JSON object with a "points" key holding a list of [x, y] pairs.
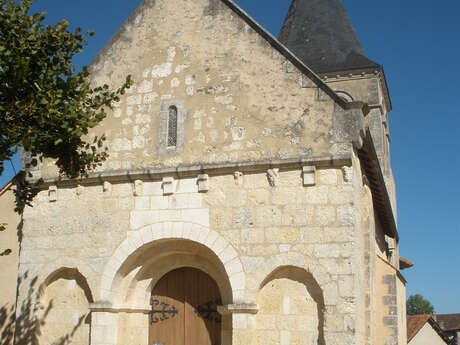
{"points": [[414, 324], [448, 322]]}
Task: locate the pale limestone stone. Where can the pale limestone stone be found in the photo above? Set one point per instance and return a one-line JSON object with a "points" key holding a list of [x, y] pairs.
{"points": [[309, 175], [228, 254], [251, 263], [240, 321], [107, 188], [80, 190], [285, 338], [162, 71], [346, 286], [327, 250], [253, 235], [198, 216], [142, 203], [238, 281], [285, 248], [284, 196], [159, 202], [325, 215], [345, 215], [187, 186], [52, 193], [203, 183], [149, 98], [145, 86], [347, 173], [273, 177], [328, 176], [317, 195], [340, 196], [239, 180], [134, 100], [138, 188], [168, 185], [282, 235], [121, 144], [219, 245]]}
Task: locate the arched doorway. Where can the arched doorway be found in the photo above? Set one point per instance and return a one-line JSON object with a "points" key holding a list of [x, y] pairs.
{"points": [[184, 309]]}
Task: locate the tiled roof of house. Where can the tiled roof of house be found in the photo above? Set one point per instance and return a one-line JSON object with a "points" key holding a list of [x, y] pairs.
{"points": [[448, 322], [416, 322]]}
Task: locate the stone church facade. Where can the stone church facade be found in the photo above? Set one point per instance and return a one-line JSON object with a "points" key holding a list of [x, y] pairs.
{"points": [[248, 197]]}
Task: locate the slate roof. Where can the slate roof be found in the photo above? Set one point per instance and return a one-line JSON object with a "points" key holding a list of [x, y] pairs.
{"points": [[449, 322], [416, 322], [320, 33]]}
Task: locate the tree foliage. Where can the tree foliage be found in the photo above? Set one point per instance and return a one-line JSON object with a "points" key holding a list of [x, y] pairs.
{"points": [[46, 106], [417, 305]]}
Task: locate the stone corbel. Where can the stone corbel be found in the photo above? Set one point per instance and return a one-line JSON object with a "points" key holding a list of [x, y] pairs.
{"points": [[168, 185], [273, 176], [107, 188], [52, 193], [80, 189], [138, 188], [203, 183], [309, 175], [240, 308], [238, 175], [347, 173]]}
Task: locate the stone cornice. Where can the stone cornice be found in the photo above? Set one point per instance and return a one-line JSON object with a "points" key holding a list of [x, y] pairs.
{"points": [[184, 171]]}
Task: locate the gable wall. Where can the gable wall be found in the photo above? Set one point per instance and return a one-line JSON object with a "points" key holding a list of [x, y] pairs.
{"points": [[427, 336], [243, 101]]}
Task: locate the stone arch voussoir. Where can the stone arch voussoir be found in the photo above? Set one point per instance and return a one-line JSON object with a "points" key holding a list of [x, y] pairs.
{"points": [[197, 233], [294, 259]]}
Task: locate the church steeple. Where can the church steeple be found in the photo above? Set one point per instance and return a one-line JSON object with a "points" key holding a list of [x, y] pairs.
{"points": [[320, 33]]}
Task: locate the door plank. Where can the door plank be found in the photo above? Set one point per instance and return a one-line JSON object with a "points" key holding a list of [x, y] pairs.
{"points": [[169, 328], [195, 296]]}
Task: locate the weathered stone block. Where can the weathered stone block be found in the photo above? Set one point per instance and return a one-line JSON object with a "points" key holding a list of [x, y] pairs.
{"points": [[317, 195], [325, 215], [168, 185], [53, 193], [309, 175], [328, 176], [138, 188], [347, 173], [203, 183], [273, 177]]}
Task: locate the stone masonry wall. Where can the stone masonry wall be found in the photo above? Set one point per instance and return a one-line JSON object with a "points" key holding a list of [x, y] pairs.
{"points": [[239, 99], [270, 219]]}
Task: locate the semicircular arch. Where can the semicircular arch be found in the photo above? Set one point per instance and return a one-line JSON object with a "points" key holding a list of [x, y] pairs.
{"points": [[140, 246]]}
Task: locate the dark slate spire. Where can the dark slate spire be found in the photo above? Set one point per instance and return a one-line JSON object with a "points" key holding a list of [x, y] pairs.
{"points": [[320, 33]]}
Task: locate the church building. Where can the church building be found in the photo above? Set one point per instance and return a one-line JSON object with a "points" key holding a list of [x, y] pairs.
{"points": [[248, 197]]}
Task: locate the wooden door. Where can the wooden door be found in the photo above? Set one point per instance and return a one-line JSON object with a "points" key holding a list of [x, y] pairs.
{"points": [[184, 309]]}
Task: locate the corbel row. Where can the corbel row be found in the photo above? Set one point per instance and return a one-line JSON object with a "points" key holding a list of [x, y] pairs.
{"points": [[203, 182]]}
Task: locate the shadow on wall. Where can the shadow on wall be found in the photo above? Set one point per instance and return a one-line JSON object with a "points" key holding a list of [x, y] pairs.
{"points": [[283, 281], [22, 326]]}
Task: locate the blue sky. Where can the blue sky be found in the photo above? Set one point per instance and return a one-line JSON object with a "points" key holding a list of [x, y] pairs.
{"points": [[418, 42]]}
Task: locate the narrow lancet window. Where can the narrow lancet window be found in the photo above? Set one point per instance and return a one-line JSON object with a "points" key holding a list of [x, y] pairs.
{"points": [[172, 126]]}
